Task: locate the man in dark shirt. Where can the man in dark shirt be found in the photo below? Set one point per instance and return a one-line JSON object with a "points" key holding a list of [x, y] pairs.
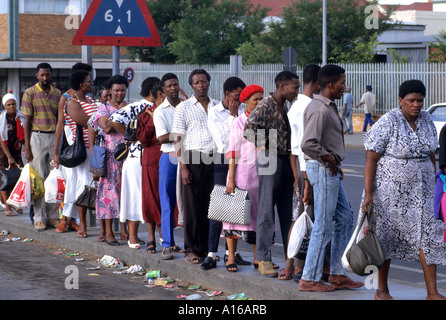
{"points": [[268, 128]]}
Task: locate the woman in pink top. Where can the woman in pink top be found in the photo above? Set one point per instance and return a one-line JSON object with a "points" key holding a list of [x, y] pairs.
{"points": [[242, 174]]}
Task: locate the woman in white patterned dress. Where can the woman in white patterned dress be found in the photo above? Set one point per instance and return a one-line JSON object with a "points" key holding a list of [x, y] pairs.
{"points": [[399, 181]]}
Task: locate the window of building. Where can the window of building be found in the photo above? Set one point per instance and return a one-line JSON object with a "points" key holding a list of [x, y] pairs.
{"points": [[45, 6]]}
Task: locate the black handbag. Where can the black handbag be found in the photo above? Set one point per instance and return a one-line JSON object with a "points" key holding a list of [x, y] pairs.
{"points": [[9, 178], [131, 130], [121, 151], [87, 199], [71, 156]]}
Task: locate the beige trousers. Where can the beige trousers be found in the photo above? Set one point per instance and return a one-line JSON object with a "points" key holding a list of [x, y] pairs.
{"points": [[42, 147]]}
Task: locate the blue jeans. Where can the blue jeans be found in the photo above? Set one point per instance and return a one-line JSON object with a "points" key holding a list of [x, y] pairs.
{"points": [[348, 115], [333, 220], [367, 120], [167, 190]]}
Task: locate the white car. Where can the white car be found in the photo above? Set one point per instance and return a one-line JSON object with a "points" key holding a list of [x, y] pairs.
{"points": [[438, 113]]}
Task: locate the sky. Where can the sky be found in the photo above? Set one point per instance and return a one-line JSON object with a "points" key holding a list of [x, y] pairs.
{"points": [[403, 2]]}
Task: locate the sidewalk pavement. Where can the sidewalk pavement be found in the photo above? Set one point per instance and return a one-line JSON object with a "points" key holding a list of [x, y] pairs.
{"points": [[247, 280]]}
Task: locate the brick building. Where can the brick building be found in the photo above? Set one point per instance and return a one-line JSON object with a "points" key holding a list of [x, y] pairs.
{"points": [[37, 31]]}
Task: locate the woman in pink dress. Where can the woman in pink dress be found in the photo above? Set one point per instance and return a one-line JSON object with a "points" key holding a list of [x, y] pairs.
{"points": [[242, 174]]}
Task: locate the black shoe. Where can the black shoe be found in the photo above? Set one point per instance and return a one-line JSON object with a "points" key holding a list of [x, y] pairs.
{"points": [[112, 243], [209, 263]]}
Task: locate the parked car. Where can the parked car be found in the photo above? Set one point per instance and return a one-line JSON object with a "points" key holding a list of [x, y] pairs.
{"points": [[438, 113]]}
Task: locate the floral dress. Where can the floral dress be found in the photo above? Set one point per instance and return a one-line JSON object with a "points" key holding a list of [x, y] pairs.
{"points": [[403, 189], [109, 188]]}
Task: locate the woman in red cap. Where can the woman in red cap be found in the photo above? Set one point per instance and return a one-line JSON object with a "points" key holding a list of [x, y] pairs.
{"points": [[242, 174]]}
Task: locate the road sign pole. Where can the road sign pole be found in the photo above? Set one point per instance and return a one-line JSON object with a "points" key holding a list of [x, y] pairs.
{"points": [[116, 58]]}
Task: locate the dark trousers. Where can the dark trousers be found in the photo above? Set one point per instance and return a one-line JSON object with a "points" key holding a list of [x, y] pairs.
{"points": [[215, 227], [195, 197], [275, 190]]}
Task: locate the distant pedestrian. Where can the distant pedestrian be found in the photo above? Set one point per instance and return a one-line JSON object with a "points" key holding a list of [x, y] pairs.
{"points": [[323, 145], [347, 111], [40, 107], [369, 101], [268, 128]]}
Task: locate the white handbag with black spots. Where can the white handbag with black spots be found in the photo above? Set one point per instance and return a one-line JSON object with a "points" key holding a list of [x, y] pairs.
{"points": [[232, 208]]}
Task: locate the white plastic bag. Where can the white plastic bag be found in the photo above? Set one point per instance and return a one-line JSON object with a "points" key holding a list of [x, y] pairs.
{"points": [[55, 186], [21, 194], [364, 228], [301, 229]]}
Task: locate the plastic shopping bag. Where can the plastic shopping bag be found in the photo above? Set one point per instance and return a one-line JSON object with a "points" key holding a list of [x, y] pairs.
{"points": [[55, 186], [37, 188], [300, 236], [361, 232], [21, 194]]}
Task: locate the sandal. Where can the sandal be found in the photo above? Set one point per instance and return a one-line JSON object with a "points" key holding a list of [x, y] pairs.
{"points": [[285, 274], [176, 248], [232, 267], [9, 213], [192, 258], [63, 226], [133, 245], [151, 247]]}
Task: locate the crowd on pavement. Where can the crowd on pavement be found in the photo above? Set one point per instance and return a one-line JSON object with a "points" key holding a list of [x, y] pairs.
{"points": [[164, 154]]}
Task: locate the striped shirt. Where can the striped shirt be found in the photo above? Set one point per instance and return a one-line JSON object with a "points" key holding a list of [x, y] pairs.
{"points": [[42, 107], [89, 109]]}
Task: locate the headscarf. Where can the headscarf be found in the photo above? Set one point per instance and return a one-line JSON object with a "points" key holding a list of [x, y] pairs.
{"points": [[8, 97], [3, 122]]}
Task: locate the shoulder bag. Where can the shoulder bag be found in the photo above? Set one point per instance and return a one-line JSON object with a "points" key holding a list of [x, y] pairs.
{"points": [[71, 156], [98, 162], [367, 251]]}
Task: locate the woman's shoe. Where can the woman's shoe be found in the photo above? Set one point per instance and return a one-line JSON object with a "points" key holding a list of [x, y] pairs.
{"points": [[133, 245]]}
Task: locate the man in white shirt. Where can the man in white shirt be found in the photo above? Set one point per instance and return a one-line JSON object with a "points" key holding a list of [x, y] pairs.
{"points": [[296, 118], [219, 122], [369, 101], [194, 148], [163, 120]]}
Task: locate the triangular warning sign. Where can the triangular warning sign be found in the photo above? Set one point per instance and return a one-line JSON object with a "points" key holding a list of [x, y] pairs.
{"points": [[118, 23]]}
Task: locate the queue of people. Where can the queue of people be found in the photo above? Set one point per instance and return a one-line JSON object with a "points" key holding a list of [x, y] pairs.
{"points": [[178, 148]]}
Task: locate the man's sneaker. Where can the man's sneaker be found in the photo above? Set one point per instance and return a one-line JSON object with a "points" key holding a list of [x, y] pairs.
{"points": [[39, 225], [267, 269], [167, 253]]}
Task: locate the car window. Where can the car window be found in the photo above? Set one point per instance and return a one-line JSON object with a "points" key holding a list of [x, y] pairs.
{"points": [[439, 113]]}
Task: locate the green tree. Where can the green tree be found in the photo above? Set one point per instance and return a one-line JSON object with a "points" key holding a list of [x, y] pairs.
{"points": [[164, 12], [212, 32], [438, 53], [348, 37]]}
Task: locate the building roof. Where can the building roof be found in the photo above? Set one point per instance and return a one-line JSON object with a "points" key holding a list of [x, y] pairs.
{"points": [[275, 5], [420, 6]]}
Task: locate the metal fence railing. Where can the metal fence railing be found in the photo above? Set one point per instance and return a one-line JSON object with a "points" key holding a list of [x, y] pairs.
{"points": [[385, 78]]}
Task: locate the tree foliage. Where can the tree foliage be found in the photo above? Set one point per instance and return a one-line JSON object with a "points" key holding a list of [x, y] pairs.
{"points": [[200, 31], [348, 38], [438, 53]]}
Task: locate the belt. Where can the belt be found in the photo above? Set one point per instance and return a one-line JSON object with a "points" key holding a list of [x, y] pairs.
{"points": [[40, 131]]}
